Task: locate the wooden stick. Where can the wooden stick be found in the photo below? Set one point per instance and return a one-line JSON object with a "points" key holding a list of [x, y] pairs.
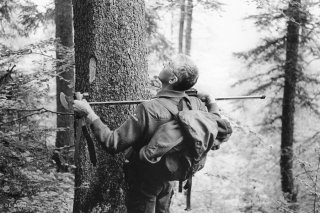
{"points": [[140, 101]]}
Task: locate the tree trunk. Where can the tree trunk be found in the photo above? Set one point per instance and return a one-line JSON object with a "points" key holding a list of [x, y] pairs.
{"points": [[181, 26], [65, 78], [189, 9], [288, 109], [110, 59]]}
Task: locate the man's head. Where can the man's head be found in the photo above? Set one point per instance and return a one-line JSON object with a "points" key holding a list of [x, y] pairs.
{"points": [[179, 73]]}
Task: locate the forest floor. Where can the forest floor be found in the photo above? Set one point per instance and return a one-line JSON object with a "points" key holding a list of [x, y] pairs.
{"points": [[29, 183], [214, 188]]}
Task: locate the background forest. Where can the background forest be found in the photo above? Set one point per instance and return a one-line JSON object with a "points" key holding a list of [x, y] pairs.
{"points": [[246, 47]]}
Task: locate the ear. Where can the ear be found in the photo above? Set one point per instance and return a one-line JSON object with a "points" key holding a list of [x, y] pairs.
{"points": [[173, 79]]}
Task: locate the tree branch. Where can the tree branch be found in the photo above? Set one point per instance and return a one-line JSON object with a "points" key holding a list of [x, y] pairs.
{"points": [[35, 112]]}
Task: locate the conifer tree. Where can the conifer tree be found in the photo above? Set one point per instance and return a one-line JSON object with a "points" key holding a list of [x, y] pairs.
{"points": [[185, 21], [65, 72], [280, 68], [110, 57], [181, 24]]}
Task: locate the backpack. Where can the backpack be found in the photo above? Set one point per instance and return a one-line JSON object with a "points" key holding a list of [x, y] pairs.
{"points": [[178, 148]]}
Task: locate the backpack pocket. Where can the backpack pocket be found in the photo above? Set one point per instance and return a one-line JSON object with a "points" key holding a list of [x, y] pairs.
{"points": [[176, 166]]}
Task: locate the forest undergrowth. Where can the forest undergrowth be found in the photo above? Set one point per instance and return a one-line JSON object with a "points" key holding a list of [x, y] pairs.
{"points": [[241, 177], [29, 181]]}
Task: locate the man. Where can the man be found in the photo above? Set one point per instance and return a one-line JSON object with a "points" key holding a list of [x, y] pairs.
{"points": [[147, 192]]}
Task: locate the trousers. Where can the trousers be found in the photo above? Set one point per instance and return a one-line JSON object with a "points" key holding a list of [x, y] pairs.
{"points": [[149, 197]]}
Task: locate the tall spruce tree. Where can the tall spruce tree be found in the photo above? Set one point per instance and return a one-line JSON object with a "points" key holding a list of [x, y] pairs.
{"points": [[280, 67], [189, 10], [291, 70], [65, 72], [185, 21], [181, 24], [110, 59]]}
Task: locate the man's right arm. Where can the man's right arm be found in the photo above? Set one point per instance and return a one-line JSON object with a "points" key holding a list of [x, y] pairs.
{"points": [[128, 134]]}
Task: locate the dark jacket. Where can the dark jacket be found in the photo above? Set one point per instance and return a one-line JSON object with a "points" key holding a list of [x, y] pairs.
{"points": [[138, 129]]}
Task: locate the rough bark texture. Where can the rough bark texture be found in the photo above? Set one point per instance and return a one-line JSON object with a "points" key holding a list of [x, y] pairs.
{"points": [[181, 24], [189, 9], [64, 33], [112, 33], [288, 109]]}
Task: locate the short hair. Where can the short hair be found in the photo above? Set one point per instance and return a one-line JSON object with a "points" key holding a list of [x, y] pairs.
{"points": [[185, 70]]}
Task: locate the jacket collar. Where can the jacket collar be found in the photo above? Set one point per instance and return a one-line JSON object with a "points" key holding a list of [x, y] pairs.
{"points": [[171, 94]]}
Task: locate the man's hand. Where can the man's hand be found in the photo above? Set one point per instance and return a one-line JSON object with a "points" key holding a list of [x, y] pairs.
{"points": [[210, 103], [84, 109], [205, 98]]}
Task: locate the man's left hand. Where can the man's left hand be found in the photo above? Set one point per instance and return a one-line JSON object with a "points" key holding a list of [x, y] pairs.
{"points": [[84, 109]]}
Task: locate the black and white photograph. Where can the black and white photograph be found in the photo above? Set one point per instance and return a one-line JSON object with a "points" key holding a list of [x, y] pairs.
{"points": [[159, 106]]}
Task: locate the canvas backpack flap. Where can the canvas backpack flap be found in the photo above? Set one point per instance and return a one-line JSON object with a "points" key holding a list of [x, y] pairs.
{"points": [[166, 139], [199, 127], [201, 130], [179, 147]]}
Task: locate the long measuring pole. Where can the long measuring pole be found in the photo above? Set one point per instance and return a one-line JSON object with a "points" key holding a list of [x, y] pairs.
{"points": [[140, 101]]}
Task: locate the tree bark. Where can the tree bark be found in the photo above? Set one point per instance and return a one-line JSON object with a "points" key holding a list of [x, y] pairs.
{"points": [[181, 24], [288, 108], [65, 71], [110, 57], [189, 9]]}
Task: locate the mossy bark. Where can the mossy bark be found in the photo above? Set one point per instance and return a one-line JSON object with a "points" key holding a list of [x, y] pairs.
{"points": [[109, 38], [65, 72]]}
